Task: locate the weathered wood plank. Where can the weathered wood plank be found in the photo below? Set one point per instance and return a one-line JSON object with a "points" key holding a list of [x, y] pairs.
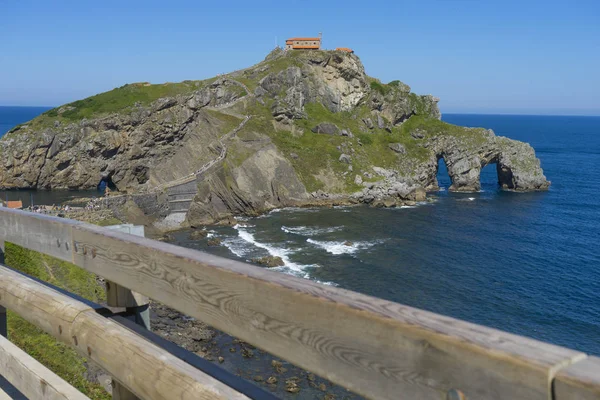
{"points": [[580, 381], [374, 347], [4, 395], [31, 378], [48, 235], [142, 367], [377, 348]]}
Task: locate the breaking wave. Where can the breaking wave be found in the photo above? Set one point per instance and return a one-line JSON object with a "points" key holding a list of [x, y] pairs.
{"points": [[245, 245], [310, 231], [341, 247]]}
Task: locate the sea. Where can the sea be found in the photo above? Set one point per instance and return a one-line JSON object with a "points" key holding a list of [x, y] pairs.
{"points": [[526, 263]]}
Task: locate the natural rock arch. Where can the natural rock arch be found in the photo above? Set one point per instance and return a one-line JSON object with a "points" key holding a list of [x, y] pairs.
{"points": [[517, 168]]}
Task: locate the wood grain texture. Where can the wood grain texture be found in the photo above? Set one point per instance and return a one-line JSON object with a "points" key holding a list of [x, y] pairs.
{"points": [[31, 378], [142, 367], [48, 235], [377, 348], [580, 381]]}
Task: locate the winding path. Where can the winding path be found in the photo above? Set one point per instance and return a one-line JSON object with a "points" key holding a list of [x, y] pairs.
{"points": [[181, 192]]}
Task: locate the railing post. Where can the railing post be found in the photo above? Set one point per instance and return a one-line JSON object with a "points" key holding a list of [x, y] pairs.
{"points": [[3, 322], [136, 305]]}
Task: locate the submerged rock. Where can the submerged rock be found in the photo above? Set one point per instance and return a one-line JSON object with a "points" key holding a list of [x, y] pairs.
{"points": [[214, 242], [198, 234], [269, 261]]}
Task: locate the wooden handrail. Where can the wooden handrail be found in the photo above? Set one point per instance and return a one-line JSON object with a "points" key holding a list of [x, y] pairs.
{"points": [[142, 367], [374, 347], [31, 378]]}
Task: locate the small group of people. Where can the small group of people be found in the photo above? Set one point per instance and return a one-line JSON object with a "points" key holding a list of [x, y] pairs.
{"points": [[94, 203], [42, 209]]}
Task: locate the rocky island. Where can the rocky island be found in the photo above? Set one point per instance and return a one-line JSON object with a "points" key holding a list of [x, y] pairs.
{"points": [[299, 128]]}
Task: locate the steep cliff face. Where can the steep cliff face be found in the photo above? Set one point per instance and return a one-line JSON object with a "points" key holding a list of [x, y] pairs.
{"points": [[298, 127]]}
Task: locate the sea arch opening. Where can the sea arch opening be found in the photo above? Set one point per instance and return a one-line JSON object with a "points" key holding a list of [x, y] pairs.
{"points": [[469, 175]]}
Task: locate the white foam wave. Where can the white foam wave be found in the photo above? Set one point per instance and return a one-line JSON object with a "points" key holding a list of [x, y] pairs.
{"points": [[237, 246], [289, 267], [296, 209], [310, 231], [337, 248], [298, 269]]}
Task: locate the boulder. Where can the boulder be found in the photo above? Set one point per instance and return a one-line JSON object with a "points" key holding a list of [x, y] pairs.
{"points": [[345, 158], [417, 134], [269, 261], [398, 148], [326, 128], [198, 234], [214, 242], [368, 123], [358, 180], [347, 133]]}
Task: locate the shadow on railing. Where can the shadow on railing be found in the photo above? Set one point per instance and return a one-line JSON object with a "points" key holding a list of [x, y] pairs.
{"points": [[377, 348]]}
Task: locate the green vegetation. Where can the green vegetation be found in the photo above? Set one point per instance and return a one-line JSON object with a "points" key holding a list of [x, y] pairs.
{"points": [[57, 356], [379, 87], [318, 154], [227, 122], [121, 98], [56, 272], [432, 126], [251, 78], [109, 221]]}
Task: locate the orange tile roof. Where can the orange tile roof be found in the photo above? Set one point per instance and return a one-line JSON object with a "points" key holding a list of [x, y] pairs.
{"points": [[14, 204], [345, 49]]}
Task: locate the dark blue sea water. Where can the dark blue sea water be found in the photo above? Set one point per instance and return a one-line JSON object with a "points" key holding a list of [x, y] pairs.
{"points": [[525, 263], [12, 116]]}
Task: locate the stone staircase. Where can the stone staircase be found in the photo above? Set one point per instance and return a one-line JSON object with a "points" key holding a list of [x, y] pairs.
{"points": [[181, 192]]}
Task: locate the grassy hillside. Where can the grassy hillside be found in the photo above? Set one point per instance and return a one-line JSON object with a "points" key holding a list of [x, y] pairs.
{"points": [[120, 100]]}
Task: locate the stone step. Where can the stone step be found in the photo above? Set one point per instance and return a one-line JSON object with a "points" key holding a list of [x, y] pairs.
{"points": [[182, 196], [180, 201]]}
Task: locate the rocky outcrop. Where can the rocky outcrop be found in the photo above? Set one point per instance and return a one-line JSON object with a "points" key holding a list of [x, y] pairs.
{"points": [[467, 154], [263, 181], [141, 147], [296, 123]]}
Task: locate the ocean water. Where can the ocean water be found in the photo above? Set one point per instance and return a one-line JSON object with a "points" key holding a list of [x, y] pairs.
{"points": [[527, 263], [12, 116]]}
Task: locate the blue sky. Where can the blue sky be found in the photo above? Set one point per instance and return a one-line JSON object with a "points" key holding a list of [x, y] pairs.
{"points": [[478, 56]]}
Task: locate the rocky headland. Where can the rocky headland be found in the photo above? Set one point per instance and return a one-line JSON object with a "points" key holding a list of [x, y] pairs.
{"points": [[299, 128]]}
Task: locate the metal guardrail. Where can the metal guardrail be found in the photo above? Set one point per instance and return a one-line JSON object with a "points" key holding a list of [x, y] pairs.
{"points": [[377, 348]]}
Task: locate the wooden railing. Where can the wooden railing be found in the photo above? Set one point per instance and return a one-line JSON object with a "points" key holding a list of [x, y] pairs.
{"points": [[377, 348]]}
